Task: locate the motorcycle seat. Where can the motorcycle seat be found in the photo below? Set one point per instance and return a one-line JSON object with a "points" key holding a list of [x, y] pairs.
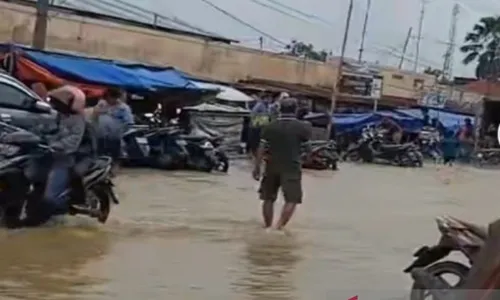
{"points": [[194, 138], [134, 130], [478, 230], [100, 163], [393, 147]]}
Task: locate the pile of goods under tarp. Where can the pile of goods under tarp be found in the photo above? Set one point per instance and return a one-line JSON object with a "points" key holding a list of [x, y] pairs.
{"points": [[217, 119]]}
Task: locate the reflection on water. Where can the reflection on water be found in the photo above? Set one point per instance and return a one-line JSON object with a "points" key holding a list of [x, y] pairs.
{"points": [[181, 235], [270, 259], [46, 263]]}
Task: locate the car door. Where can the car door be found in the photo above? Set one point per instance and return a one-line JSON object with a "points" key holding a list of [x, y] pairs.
{"points": [[17, 107]]}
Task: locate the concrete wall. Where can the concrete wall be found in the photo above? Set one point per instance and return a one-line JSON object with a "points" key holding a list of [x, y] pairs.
{"points": [[405, 84], [211, 60], [106, 39]]}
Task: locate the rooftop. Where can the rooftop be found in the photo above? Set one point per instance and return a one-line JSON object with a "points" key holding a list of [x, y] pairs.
{"points": [[181, 28], [483, 87]]}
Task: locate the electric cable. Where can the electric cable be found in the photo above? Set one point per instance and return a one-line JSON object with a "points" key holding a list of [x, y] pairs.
{"points": [[235, 18]]}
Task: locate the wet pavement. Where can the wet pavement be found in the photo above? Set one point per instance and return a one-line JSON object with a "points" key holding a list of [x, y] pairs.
{"points": [[188, 235]]}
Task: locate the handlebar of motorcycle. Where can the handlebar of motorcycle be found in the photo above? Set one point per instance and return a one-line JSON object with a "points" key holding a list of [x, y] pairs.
{"points": [[46, 148]]}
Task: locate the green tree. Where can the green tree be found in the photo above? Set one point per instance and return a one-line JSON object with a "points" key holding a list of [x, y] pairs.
{"points": [[301, 49], [482, 47]]}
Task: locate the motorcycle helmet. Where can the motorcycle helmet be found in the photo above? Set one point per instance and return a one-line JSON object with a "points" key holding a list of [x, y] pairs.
{"points": [[68, 99]]}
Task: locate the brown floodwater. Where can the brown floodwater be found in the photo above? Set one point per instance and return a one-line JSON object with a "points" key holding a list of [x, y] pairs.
{"points": [[182, 235]]}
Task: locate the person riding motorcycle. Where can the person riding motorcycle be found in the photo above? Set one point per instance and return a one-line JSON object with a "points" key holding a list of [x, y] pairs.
{"points": [[393, 132], [68, 146]]}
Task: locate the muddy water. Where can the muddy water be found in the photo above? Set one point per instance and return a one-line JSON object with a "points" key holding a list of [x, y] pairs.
{"points": [[196, 236]]}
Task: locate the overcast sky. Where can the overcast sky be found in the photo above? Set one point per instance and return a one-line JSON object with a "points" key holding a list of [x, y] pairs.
{"points": [[389, 22]]}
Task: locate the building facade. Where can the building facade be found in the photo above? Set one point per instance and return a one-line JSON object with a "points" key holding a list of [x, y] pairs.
{"points": [[199, 57]]}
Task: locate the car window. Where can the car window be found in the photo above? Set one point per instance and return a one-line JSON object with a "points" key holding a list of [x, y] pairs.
{"points": [[19, 85], [12, 96]]}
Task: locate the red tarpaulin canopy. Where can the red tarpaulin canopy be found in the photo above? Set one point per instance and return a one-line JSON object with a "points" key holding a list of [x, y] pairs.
{"points": [[26, 70]]}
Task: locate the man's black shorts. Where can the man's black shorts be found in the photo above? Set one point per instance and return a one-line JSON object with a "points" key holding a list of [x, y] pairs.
{"points": [[290, 184]]}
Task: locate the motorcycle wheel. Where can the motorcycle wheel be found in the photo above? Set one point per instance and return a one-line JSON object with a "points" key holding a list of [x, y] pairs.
{"points": [[165, 161], [103, 203], [223, 162], [353, 156], [333, 165], [438, 269], [10, 217], [203, 164]]}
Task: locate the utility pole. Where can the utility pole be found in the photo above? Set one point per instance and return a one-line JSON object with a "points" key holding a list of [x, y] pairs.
{"points": [[448, 56], [405, 47], [419, 37], [363, 34], [338, 70], [40, 31]]}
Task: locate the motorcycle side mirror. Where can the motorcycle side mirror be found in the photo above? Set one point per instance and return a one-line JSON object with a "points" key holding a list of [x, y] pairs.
{"points": [[41, 106]]}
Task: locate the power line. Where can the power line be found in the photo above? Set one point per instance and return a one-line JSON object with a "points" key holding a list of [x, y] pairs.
{"points": [[225, 12], [173, 19], [107, 9], [125, 9], [280, 11], [299, 12]]}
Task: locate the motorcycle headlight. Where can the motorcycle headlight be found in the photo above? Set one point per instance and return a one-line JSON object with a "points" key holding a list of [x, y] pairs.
{"points": [[480, 155]]}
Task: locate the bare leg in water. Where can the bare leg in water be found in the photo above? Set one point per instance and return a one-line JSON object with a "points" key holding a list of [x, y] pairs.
{"points": [[268, 213], [286, 214]]}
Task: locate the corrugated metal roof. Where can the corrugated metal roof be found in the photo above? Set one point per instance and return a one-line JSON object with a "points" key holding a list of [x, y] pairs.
{"points": [[129, 14]]}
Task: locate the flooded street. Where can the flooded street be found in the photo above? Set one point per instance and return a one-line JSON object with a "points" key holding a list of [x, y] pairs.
{"points": [[196, 236]]}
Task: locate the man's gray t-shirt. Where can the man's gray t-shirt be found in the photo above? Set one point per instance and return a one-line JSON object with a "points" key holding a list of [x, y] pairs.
{"points": [[284, 138]]}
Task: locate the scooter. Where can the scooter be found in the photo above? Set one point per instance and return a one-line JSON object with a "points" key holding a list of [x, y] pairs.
{"points": [[203, 153], [428, 140], [456, 236], [372, 147], [320, 155], [17, 189], [153, 147]]}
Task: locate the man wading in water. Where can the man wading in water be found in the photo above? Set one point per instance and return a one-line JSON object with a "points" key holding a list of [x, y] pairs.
{"points": [[281, 144]]}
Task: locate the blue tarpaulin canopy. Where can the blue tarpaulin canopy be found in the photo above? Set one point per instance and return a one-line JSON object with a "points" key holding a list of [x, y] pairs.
{"points": [[105, 72], [450, 120], [96, 71], [411, 120]]}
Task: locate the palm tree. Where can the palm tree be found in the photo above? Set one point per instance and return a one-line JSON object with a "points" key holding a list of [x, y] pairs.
{"points": [[482, 45]]}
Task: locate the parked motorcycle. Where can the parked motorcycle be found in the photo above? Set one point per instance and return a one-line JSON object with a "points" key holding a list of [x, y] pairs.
{"points": [[428, 141], [372, 147], [21, 148], [486, 157], [203, 153], [456, 236], [320, 155]]}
